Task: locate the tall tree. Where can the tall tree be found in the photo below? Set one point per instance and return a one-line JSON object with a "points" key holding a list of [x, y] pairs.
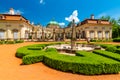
{"points": [[115, 24]]}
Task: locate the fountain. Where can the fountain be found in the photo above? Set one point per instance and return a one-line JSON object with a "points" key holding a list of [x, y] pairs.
{"points": [[72, 47]]}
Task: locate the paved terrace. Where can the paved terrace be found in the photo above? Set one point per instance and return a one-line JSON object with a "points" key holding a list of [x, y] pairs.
{"points": [[10, 68]]}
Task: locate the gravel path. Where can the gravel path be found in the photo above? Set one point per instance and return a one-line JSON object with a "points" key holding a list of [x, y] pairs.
{"points": [[10, 68]]}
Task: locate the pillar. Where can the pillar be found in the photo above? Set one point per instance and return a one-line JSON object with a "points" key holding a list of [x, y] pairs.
{"points": [[87, 34], [64, 36], [43, 35], [103, 34], [96, 34], [53, 34]]}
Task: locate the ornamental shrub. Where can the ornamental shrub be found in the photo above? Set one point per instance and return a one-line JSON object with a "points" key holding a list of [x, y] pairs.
{"points": [[118, 51], [108, 54], [82, 65], [10, 42], [2, 42], [116, 39], [35, 48], [19, 41], [111, 49], [30, 59], [86, 63], [51, 50]]}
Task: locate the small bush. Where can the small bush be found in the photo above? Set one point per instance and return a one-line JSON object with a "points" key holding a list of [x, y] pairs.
{"points": [[111, 49], [118, 51], [2, 42], [82, 65], [35, 48], [10, 42], [19, 41], [86, 63], [108, 54], [31, 59], [51, 50], [116, 40]]}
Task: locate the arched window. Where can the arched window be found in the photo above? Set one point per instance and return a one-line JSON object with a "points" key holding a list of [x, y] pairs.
{"points": [[26, 34], [92, 34], [15, 33], [107, 34], [2, 34], [99, 34]]}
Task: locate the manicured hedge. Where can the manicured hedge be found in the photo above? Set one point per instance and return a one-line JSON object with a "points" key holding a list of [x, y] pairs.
{"points": [[118, 51], [93, 40], [116, 40], [82, 65], [111, 49], [86, 63], [114, 56], [10, 42], [30, 59], [2, 42], [95, 57], [35, 48], [19, 41], [26, 50], [108, 47]]}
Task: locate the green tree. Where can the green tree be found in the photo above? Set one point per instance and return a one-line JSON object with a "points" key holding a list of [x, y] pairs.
{"points": [[116, 25]]}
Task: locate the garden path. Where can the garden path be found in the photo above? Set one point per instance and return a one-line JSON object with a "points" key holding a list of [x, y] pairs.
{"points": [[10, 68]]}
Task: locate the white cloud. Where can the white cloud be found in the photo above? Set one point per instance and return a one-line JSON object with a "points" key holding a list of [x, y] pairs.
{"points": [[42, 2], [74, 16], [62, 24]]}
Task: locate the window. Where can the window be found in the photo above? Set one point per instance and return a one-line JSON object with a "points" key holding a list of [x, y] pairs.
{"points": [[1, 34], [15, 35], [107, 34], [92, 34], [99, 34]]}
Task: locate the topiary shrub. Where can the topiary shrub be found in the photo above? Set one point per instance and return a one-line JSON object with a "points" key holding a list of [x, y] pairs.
{"points": [[2, 42], [19, 41], [82, 65], [10, 42], [35, 48], [118, 51], [31, 59], [111, 48], [86, 63], [116, 40], [108, 54], [51, 50]]}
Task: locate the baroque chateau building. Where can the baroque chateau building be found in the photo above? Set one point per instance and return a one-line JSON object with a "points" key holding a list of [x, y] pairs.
{"points": [[16, 27]]}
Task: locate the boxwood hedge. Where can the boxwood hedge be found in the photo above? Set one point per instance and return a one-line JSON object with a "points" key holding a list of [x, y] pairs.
{"points": [[86, 63], [116, 39], [82, 65], [114, 56]]}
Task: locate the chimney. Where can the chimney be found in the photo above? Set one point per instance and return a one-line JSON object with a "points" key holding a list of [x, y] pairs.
{"points": [[92, 16], [12, 11]]}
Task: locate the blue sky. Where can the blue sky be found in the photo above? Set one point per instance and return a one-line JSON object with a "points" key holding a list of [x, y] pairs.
{"points": [[42, 11]]}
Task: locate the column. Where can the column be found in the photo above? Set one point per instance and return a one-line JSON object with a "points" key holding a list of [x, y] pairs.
{"points": [[43, 35], [87, 34], [64, 36], [96, 34], [110, 34], [53, 34], [103, 34]]}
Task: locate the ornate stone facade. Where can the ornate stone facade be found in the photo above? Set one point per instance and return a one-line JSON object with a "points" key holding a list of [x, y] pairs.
{"points": [[15, 26]]}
